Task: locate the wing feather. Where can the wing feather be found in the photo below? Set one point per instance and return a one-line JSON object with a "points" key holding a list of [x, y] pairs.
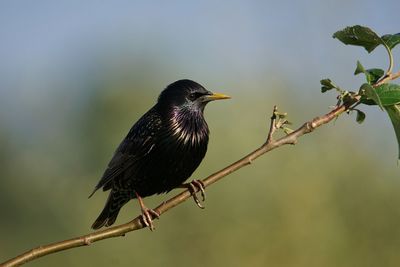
{"points": [[136, 145]]}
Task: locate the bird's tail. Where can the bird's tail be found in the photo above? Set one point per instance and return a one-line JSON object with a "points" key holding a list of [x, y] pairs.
{"points": [[110, 212]]}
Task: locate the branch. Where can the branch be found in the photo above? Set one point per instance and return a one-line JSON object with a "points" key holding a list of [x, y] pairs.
{"points": [[388, 77], [136, 224]]}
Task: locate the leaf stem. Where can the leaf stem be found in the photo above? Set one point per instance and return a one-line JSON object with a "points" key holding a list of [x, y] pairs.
{"points": [[390, 68]]}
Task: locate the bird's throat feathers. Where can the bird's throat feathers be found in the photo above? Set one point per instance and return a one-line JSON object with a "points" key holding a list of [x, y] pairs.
{"points": [[188, 125]]}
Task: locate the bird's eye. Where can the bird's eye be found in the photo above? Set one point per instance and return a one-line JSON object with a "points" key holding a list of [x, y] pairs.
{"points": [[193, 96]]}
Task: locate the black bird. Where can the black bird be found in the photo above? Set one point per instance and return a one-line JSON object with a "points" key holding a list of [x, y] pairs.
{"points": [[162, 149]]}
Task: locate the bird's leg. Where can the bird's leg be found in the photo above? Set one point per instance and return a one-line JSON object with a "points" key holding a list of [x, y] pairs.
{"points": [[195, 186], [147, 214]]}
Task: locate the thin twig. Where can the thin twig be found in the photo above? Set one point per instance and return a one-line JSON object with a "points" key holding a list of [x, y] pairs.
{"points": [[387, 77], [272, 125], [136, 224]]}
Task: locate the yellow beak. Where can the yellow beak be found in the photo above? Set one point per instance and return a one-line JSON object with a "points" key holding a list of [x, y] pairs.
{"points": [[217, 96]]}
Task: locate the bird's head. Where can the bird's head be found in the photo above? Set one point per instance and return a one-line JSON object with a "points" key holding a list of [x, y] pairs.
{"points": [[188, 95]]}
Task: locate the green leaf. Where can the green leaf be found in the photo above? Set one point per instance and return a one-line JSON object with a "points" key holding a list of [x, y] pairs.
{"points": [[389, 94], [287, 130], [394, 115], [327, 85], [391, 40], [360, 116], [359, 69], [371, 75], [360, 36], [364, 100], [374, 74], [367, 90]]}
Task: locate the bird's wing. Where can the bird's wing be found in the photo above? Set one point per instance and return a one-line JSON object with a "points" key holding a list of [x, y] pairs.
{"points": [[136, 145]]}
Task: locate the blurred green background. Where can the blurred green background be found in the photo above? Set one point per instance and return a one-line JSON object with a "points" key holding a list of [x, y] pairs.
{"points": [[75, 76]]}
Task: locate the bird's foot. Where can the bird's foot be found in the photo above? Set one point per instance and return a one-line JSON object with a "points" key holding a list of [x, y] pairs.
{"points": [[147, 217], [194, 187], [147, 214]]}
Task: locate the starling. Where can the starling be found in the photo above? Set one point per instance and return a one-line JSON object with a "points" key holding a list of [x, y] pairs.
{"points": [[162, 149]]}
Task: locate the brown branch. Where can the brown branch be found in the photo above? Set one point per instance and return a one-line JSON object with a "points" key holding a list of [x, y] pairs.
{"points": [[136, 224], [388, 77]]}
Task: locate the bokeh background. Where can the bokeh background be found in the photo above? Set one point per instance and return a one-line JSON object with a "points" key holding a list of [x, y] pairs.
{"points": [[76, 75]]}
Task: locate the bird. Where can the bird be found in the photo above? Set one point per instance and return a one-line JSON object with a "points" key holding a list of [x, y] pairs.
{"points": [[159, 153]]}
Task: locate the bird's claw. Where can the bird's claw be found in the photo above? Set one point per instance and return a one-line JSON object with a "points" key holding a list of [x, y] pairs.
{"points": [[147, 217], [147, 214], [195, 186]]}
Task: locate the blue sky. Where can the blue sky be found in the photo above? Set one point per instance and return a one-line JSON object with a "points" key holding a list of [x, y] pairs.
{"points": [[50, 47], [39, 37]]}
